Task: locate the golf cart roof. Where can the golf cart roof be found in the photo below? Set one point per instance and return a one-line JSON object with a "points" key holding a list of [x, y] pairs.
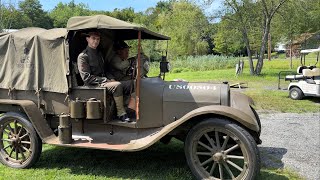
{"points": [[124, 30], [305, 51]]}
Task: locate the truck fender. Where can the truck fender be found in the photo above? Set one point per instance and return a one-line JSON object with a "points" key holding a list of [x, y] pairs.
{"points": [[230, 112], [34, 115]]}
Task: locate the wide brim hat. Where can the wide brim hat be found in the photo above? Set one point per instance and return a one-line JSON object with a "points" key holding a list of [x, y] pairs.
{"points": [[118, 45], [92, 32]]}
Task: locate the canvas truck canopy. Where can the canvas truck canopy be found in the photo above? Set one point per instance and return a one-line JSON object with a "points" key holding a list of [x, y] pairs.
{"points": [[122, 30], [34, 58]]}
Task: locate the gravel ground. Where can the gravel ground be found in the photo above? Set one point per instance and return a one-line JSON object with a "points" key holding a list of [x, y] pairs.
{"points": [[292, 141]]}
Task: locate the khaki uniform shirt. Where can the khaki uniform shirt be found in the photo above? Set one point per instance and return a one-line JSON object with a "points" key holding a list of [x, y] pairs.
{"points": [[119, 68], [91, 67]]}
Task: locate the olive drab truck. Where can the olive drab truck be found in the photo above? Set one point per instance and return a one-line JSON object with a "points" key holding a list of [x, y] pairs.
{"points": [[43, 100]]}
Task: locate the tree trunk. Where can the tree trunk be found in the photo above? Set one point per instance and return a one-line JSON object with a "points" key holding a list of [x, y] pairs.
{"points": [[247, 43], [263, 46]]}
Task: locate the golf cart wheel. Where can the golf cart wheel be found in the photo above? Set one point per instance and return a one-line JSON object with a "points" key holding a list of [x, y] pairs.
{"points": [[220, 149], [296, 93], [20, 145]]}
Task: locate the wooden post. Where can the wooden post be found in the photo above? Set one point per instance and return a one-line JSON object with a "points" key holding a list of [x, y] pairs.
{"points": [[138, 77], [291, 54], [269, 47]]}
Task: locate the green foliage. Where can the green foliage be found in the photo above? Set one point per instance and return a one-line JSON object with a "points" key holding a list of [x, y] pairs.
{"points": [[62, 12], [186, 25], [126, 14], [33, 10], [227, 40], [295, 18], [11, 18]]}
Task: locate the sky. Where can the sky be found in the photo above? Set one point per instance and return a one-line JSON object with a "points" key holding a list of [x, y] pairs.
{"points": [[106, 5], [110, 5]]}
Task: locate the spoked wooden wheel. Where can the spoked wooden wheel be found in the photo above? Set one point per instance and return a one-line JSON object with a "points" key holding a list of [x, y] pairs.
{"points": [[220, 149], [20, 146]]}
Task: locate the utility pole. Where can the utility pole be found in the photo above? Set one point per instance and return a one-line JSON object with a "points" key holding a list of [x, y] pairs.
{"points": [[291, 54], [269, 46]]}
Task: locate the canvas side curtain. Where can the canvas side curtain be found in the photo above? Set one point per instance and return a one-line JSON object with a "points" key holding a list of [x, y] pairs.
{"points": [[34, 58]]}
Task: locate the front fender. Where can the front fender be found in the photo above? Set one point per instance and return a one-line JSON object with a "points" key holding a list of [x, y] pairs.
{"points": [[230, 112], [34, 115]]}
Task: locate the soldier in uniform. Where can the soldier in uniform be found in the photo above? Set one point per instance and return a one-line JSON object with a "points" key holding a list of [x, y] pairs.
{"points": [[120, 63], [122, 67], [91, 68]]}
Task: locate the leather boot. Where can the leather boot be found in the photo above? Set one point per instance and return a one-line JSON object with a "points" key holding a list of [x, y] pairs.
{"points": [[121, 112]]}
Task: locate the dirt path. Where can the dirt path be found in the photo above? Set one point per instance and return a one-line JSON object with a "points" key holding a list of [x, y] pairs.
{"points": [[292, 141]]}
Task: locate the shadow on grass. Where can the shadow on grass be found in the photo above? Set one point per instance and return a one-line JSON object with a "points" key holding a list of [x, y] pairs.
{"points": [[157, 162], [313, 99]]}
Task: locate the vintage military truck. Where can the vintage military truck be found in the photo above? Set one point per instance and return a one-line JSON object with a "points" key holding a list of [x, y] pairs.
{"points": [[42, 100]]}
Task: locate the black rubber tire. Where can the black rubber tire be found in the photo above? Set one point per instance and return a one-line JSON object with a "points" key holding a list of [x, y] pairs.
{"points": [[34, 143], [296, 93], [224, 129]]}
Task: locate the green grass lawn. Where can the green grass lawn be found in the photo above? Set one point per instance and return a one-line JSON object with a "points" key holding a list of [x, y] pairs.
{"points": [[158, 162]]}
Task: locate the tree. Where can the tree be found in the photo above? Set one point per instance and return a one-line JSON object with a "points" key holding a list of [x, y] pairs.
{"points": [[33, 10], [227, 40], [269, 8], [246, 15], [186, 24], [5, 20], [11, 18], [62, 12], [126, 14]]}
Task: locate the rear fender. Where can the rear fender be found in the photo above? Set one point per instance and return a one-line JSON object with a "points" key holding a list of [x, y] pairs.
{"points": [[34, 115]]}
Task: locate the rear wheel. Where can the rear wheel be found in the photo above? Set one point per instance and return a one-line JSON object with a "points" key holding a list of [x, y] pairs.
{"points": [[296, 93], [20, 146], [220, 149]]}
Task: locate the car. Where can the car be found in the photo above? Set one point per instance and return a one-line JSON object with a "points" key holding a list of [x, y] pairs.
{"points": [[42, 100]]}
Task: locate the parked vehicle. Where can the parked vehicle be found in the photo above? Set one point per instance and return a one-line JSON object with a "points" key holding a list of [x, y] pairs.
{"points": [[43, 101], [307, 80]]}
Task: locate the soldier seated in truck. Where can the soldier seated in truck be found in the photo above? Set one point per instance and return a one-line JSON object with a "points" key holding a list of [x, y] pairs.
{"points": [[124, 68], [91, 68]]}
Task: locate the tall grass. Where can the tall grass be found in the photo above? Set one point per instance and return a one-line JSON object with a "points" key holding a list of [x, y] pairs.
{"points": [[214, 62], [198, 63], [203, 63]]}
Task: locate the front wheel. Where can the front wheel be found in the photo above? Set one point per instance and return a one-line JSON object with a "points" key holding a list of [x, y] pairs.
{"points": [[20, 145], [220, 149]]}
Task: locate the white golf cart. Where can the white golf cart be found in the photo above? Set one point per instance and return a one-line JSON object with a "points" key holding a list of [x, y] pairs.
{"points": [[307, 81]]}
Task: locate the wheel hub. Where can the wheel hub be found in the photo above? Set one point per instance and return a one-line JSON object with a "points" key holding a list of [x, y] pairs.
{"points": [[16, 141], [218, 157], [294, 94]]}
